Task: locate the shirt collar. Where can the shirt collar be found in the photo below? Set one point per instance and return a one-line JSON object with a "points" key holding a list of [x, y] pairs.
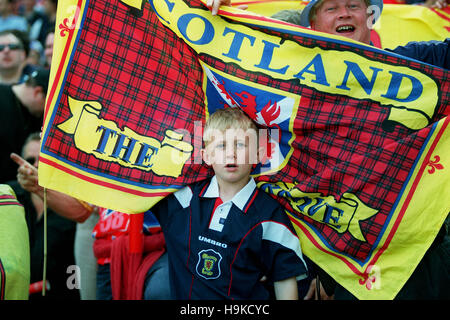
{"points": [[240, 199]]}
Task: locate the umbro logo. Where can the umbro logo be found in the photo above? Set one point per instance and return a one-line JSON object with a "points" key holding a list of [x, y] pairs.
{"points": [[213, 242]]}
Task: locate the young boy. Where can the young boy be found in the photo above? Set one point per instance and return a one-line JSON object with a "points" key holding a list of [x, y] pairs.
{"points": [[223, 235]]}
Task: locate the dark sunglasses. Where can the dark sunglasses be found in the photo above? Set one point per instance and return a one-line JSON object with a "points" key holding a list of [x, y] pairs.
{"points": [[11, 46]]}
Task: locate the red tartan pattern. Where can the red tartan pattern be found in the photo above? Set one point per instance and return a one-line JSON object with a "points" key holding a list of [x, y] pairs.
{"points": [[130, 67], [149, 80]]}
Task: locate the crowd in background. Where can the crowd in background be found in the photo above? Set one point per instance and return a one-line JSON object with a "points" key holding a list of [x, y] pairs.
{"points": [[36, 19], [26, 47]]}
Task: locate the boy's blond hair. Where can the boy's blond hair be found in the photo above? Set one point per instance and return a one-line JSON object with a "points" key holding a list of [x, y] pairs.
{"points": [[228, 118]]}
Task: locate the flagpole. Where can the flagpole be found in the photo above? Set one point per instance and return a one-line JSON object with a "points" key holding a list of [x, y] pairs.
{"points": [[44, 268]]}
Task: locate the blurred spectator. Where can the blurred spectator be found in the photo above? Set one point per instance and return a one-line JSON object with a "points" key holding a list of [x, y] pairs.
{"points": [[14, 49], [38, 21], [60, 237], [10, 21], [35, 56], [22, 108], [48, 49], [50, 7]]}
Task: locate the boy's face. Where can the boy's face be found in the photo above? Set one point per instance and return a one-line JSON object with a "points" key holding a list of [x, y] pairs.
{"points": [[232, 154]]}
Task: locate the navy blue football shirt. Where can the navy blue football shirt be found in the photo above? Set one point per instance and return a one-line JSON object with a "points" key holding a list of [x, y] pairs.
{"points": [[222, 251]]}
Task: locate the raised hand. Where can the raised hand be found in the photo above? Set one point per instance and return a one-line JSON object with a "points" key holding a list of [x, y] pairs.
{"points": [[27, 174], [214, 5]]}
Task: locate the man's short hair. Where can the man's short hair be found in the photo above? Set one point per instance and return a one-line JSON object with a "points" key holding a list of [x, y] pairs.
{"points": [[21, 36], [227, 118]]}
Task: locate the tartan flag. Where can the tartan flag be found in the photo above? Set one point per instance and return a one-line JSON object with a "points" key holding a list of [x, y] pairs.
{"points": [[355, 135]]}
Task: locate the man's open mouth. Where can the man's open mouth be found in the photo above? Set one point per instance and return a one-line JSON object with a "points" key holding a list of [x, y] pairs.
{"points": [[345, 28], [231, 165]]}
